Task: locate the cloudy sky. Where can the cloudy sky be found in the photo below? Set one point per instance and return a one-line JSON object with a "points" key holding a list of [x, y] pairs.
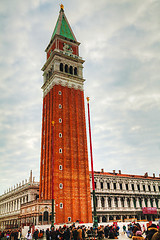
{"points": [[120, 42]]}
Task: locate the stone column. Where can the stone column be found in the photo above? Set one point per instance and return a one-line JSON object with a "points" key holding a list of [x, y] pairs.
{"points": [[111, 185], [135, 187], [119, 202], [123, 186], [157, 190], [98, 184], [148, 202], [100, 219], [106, 202], [98, 202], [37, 221], [105, 185], [118, 187], [154, 203], [137, 203], [112, 203], [125, 202], [129, 186], [143, 202], [141, 187], [131, 202]]}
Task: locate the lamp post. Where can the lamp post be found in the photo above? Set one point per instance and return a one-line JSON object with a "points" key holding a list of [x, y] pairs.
{"points": [[52, 221], [95, 221]]}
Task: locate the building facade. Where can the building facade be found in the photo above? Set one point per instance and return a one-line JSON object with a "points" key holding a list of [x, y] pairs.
{"points": [[12, 200], [121, 197], [64, 171]]}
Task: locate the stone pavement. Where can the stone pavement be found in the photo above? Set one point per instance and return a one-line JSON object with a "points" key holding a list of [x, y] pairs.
{"points": [[123, 236]]}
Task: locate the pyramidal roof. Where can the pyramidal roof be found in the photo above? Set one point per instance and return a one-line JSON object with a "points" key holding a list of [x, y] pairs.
{"points": [[62, 27]]}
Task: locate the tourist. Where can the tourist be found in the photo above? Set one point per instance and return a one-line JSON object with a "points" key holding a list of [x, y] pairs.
{"points": [[138, 236], [28, 235], [156, 236], [35, 234], [124, 229], [151, 230]]}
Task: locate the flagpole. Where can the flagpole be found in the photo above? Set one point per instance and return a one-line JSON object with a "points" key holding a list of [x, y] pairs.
{"points": [[95, 221], [52, 221]]}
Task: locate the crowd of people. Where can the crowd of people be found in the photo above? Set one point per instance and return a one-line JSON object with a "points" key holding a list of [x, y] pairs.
{"points": [[138, 232], [10, 234], [133, 230], [81, 233]]}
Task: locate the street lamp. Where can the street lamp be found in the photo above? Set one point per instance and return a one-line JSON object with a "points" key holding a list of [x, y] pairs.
{"points": [[95, 221]]}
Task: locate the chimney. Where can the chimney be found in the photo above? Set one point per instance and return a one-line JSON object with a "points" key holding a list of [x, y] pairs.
{"points": [[154, 175], [159, 175], [120, 172], [114, 171], [33, 179], [30, 177], [146, 174], [102, 170]]}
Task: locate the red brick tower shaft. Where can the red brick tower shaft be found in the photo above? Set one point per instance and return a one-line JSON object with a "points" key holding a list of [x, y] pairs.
{"points": [[63, 103]]}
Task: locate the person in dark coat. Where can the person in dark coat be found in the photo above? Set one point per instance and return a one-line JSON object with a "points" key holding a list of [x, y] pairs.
{"points": [[156, 236], [106, 231], [35, 234], [48, 234], [151, 230]]}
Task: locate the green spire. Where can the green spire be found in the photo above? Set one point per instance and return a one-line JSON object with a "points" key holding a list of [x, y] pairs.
{"points": [[62, 27]]}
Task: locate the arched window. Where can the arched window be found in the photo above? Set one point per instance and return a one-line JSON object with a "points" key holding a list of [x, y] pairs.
{"points": [[71, 70], [45, 216], [140, 202], [109, 202], [116, 201], [61, 67], [75, 71], [128, 202], [122, 202], [104, 219], [40, 217], [66, 68], [146, 202], [134, 202], [102, 201]]}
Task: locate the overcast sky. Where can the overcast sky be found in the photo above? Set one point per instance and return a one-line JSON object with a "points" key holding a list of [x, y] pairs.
{"points": [[120, 42]]}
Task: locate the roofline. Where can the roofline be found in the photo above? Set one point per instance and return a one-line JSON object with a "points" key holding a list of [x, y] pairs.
{"points": [[125, 175]]}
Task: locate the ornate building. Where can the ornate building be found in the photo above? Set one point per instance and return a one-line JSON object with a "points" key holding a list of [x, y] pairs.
{"points": [[64, 170], [119, 197], [12, 200], [122, 196]]}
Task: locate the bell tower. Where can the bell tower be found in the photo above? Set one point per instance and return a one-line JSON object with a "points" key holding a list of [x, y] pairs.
{"points": [[64, 157]]}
